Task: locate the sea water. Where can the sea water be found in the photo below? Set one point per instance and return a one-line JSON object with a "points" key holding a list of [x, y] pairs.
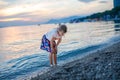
{"points": [[20, 52]]}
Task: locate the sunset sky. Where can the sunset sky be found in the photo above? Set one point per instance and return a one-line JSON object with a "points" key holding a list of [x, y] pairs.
{"points": [[20, 12]]}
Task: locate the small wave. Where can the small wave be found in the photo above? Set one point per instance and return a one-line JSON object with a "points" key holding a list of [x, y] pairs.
{"points": [[23, 66], [80, 51]]}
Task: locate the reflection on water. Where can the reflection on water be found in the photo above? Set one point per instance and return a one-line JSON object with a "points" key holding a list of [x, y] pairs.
{"points": [[19, 41], [20, 53]]}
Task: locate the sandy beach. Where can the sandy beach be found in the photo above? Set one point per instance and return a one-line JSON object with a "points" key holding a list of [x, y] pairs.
{"points": [[103, 64]]}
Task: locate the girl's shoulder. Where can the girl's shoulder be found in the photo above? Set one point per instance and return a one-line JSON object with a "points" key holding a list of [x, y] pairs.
{"points": [[54, 30]]}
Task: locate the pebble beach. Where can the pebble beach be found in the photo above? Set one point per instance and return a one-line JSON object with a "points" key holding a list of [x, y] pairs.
{"points": [[103, 64]]}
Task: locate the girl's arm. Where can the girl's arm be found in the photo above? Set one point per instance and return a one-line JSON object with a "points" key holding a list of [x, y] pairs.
{"points": [[59, 41], [51, 43]]}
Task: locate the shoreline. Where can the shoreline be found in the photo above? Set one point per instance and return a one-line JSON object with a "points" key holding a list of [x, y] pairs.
{"points": [[100, 64]]}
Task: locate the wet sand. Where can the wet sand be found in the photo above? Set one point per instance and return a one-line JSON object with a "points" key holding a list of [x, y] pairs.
{"points": [[103, 64]]}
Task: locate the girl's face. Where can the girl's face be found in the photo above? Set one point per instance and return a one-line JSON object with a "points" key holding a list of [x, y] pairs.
{"points": [[61, 33]]}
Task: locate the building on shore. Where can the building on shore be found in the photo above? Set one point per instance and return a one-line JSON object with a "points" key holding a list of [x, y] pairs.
{"points": [[116, 3]]}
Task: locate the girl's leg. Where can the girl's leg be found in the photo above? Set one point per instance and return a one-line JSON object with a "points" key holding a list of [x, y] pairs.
{"points": [[55, 58], [55, 53], [51, 60]]}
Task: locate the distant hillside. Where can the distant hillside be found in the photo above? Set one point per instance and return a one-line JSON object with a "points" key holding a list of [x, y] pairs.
{"points": [[62, 20], [106, 15]]}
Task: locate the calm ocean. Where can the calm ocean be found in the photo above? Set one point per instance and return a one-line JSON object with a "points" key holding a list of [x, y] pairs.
{"points": [[20, 53]]}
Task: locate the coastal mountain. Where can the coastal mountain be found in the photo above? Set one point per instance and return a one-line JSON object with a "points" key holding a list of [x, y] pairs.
{"points": [[62, 20], [108, 15]]}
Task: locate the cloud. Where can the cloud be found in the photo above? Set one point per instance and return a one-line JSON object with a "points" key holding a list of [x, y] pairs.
{"points": [[29, 11], [86, 1], [103, 1], [3, 4]]}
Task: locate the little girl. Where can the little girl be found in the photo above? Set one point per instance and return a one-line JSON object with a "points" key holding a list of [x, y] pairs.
{"points": [[51, 40]]}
